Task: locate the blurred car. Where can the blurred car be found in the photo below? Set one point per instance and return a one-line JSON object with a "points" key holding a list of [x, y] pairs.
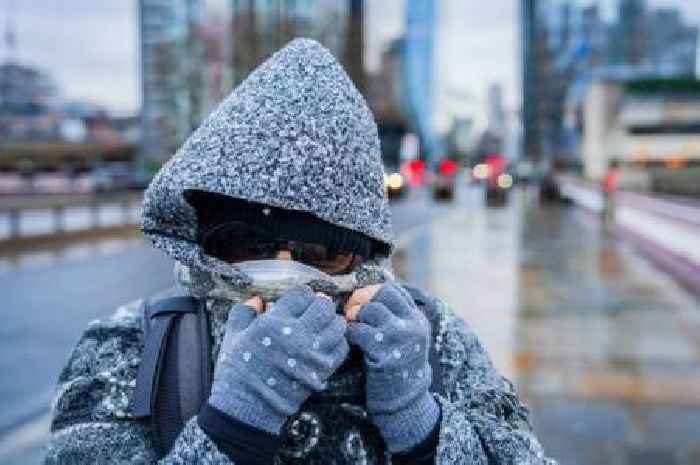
{"points": [[95, 181], [549, 189], [498, 181], [444, 181], [414, 172], [395, 184], [111, 178], [489, 167], [14, 183], [51, 183], [480, 172], [497, 189]]}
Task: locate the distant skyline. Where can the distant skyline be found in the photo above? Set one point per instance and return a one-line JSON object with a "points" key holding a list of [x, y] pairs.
{"points": [[92, 49]]}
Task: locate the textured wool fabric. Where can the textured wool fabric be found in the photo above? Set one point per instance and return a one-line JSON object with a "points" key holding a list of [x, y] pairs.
{"points": [[483, 422], [270, 364], [395, 338], [423, 453], [296, 134]]}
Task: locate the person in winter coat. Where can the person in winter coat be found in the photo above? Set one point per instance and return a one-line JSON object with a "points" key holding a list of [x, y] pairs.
{"points": [[275, 213]]}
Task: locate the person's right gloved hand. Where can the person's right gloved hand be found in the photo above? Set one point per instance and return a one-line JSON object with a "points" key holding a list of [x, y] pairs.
{"points": [[269, 364]]}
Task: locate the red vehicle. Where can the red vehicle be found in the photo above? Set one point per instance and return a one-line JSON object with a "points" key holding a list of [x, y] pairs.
{"points": [[444, 183], [414, 172]]}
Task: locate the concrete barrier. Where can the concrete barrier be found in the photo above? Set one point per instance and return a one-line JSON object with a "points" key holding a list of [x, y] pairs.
{"points": [[665, 228]]}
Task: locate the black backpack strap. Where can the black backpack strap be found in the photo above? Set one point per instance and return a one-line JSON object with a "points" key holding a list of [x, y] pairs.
{"points": [[427, 305], [174, 377]]}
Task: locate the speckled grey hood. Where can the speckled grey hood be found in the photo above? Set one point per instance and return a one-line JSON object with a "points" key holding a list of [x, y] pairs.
{"points": [[295, 134]]}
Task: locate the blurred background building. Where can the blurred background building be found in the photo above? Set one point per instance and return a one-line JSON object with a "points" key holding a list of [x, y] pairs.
{"points": [[652, 127], [27, 96], [190, 60], [567, 48], [172, 74], [266, 26], [418, 56], [192, 53]]}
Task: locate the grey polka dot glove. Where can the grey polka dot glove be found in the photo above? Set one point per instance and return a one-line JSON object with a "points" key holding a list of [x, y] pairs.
{"points": [[394, 336], [270, 364]]}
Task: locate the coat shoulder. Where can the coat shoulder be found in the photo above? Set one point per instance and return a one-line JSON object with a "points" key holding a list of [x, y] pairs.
{"points": [[98, 379], [469, 375], [444, 321]]}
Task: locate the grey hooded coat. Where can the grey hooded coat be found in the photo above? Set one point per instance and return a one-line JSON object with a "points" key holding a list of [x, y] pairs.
{"points": [[296, 135]]}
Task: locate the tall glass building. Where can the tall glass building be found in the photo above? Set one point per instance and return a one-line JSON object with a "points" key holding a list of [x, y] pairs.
{"points": [[172, 56], [261, 27], [191, 56], [418, 70]]}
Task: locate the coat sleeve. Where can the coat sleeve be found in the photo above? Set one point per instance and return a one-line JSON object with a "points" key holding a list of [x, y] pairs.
{"points": [[483, 421], [91, 420]]}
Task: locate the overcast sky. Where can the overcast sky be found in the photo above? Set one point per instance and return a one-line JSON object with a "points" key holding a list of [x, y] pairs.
{"points": [[91, 47]]}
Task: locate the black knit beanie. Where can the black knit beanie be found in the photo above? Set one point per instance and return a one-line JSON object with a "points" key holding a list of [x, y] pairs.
{"points": [[216, 211]]}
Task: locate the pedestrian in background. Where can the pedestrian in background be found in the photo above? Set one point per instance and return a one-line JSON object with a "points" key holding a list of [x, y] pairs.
{"points": [[286, 339], [609, 188]]}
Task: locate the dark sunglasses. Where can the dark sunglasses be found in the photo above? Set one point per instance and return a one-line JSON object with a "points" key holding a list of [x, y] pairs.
{"points": [[237, 242]]}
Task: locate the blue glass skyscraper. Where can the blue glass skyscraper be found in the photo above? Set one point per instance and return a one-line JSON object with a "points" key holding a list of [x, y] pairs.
{"points": [[418, 69]]}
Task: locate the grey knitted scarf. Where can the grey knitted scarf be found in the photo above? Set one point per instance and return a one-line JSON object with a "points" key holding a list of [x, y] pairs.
{"points": [[201, 282]]}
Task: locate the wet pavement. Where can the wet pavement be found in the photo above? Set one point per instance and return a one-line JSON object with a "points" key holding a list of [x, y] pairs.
{"points": [[604, 347], [608, 347]]}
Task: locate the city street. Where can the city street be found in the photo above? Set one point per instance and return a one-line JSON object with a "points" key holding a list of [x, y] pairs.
{"points": [[603, 346]]}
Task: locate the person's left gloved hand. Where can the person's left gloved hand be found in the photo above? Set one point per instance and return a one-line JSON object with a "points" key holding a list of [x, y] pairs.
{"points": [[394, 336]]}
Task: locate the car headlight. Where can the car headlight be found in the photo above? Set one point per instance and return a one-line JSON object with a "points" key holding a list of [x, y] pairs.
{"points": [[505, 181], [394, 181], [481, 171]]}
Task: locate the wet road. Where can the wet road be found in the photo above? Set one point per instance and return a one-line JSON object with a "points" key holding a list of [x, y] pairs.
{"points": [[604, 347]]}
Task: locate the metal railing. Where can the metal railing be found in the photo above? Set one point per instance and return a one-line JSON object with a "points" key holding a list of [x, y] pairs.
{"points": [[36, 216]]}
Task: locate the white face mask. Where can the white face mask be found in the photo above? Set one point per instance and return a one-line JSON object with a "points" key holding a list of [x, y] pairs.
{"points": [[271, 278]]}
